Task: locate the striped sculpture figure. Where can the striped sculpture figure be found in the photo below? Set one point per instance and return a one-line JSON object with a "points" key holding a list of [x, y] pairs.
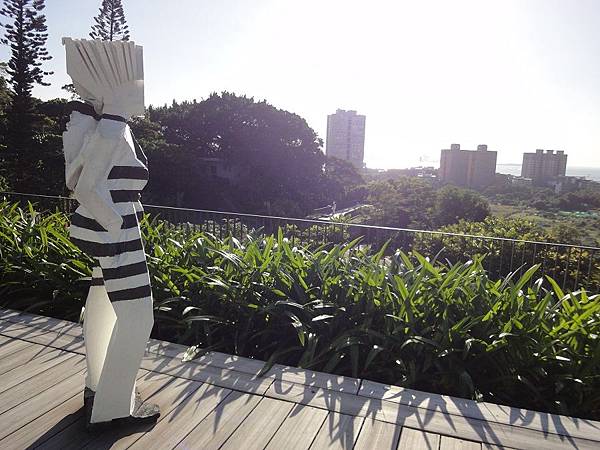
{"points": [[107, 170]]}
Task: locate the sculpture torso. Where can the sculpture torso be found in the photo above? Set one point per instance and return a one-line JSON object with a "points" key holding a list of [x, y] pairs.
{"points": [[121, 177]]}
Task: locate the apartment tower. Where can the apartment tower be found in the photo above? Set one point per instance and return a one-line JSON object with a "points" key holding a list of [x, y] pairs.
{"points": [[469, 168], [346, 137], [544, 166]]}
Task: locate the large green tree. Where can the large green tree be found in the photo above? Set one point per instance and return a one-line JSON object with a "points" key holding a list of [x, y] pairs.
{"points": [[402, 202], [271, 158], [25, 34], [411, 202], [453, 204], [341, 179], [110, 23]]}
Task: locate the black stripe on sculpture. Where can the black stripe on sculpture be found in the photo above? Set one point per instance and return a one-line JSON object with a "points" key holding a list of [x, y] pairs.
{"points": [[128, 270], [101, 250], [130, 294], [128, 173], [83, 108], [129, 221], [88, 110], [123, 196], [97, 281], [113, 117]]}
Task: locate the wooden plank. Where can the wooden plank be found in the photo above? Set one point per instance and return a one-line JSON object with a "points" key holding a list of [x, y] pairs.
{"points": [[339, 431], [299, 429], [3, 339], [39, 383], [6, 313], [18, 355], [258, 428], [181, 420], [315, 379], [216, 376], [8, 346], [54, 333], [210, 359], [20, 330], [38, 327], [171, 395], [164, 348], [378, 435], [27, 352], [544, 422], [46, 359], [216, 428], [39, 430], [450, 443], [33, 319], [37, 406], [47, 338], [341, 402], [411, 439]]}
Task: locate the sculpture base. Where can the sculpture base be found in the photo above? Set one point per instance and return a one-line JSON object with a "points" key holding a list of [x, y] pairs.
{"points": [[143, 413]]}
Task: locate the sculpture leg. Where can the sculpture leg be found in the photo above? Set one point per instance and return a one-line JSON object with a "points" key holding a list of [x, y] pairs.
{"points": [[98, 324], [115, 393]]}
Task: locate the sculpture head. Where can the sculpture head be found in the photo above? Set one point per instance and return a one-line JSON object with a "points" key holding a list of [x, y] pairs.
{"points": [[108, 75]]}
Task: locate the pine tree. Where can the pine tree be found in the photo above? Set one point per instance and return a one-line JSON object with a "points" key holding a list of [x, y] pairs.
{"points": [[110, 22], [26, 35]]}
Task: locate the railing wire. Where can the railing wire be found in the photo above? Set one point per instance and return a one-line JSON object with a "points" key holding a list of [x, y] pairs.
{"points": [[571, 266]]}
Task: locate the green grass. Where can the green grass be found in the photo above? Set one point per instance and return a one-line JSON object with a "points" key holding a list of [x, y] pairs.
{"points": [[345, 309]]}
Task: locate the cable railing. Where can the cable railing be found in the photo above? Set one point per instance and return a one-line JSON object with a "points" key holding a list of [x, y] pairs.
{"points": [[571, 266]]}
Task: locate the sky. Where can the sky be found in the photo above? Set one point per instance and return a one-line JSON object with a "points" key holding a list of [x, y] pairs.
{"points": [[513, 74]]}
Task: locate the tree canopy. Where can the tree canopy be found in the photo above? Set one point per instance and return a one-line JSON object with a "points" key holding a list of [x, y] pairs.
{"points": [[110, 23], [26, 35], [453, 204], [410, 202], [269, 160]]}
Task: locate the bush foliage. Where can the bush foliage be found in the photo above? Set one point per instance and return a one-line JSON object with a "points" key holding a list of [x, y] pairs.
{"points": [[345, 309]]}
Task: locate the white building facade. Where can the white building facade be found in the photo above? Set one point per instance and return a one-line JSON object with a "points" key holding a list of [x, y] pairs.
{"points": [[346, 137]]}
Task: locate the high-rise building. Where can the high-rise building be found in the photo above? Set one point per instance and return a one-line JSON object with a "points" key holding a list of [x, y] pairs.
{"points": [[544, 166], [346, 137], [468, 168]]}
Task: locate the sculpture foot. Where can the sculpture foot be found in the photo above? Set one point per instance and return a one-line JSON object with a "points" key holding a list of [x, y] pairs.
{"points": [[143, 413]]}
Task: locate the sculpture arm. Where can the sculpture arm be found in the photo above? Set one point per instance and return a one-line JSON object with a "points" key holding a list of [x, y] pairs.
{"points": [[92, 190]]}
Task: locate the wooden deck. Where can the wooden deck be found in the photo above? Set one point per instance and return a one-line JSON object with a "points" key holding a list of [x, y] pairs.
{"points": [[217, 401]]}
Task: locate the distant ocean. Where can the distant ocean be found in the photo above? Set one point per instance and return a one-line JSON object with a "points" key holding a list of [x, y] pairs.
{"points": [[591, 173]]}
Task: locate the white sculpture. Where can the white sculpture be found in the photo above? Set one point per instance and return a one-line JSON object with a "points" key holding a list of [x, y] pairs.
{"points": [[106, 169]]}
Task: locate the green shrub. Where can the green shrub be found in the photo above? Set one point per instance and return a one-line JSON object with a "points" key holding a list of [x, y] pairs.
{"points": [[347, 309], [40, 269], [571, 267]]}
